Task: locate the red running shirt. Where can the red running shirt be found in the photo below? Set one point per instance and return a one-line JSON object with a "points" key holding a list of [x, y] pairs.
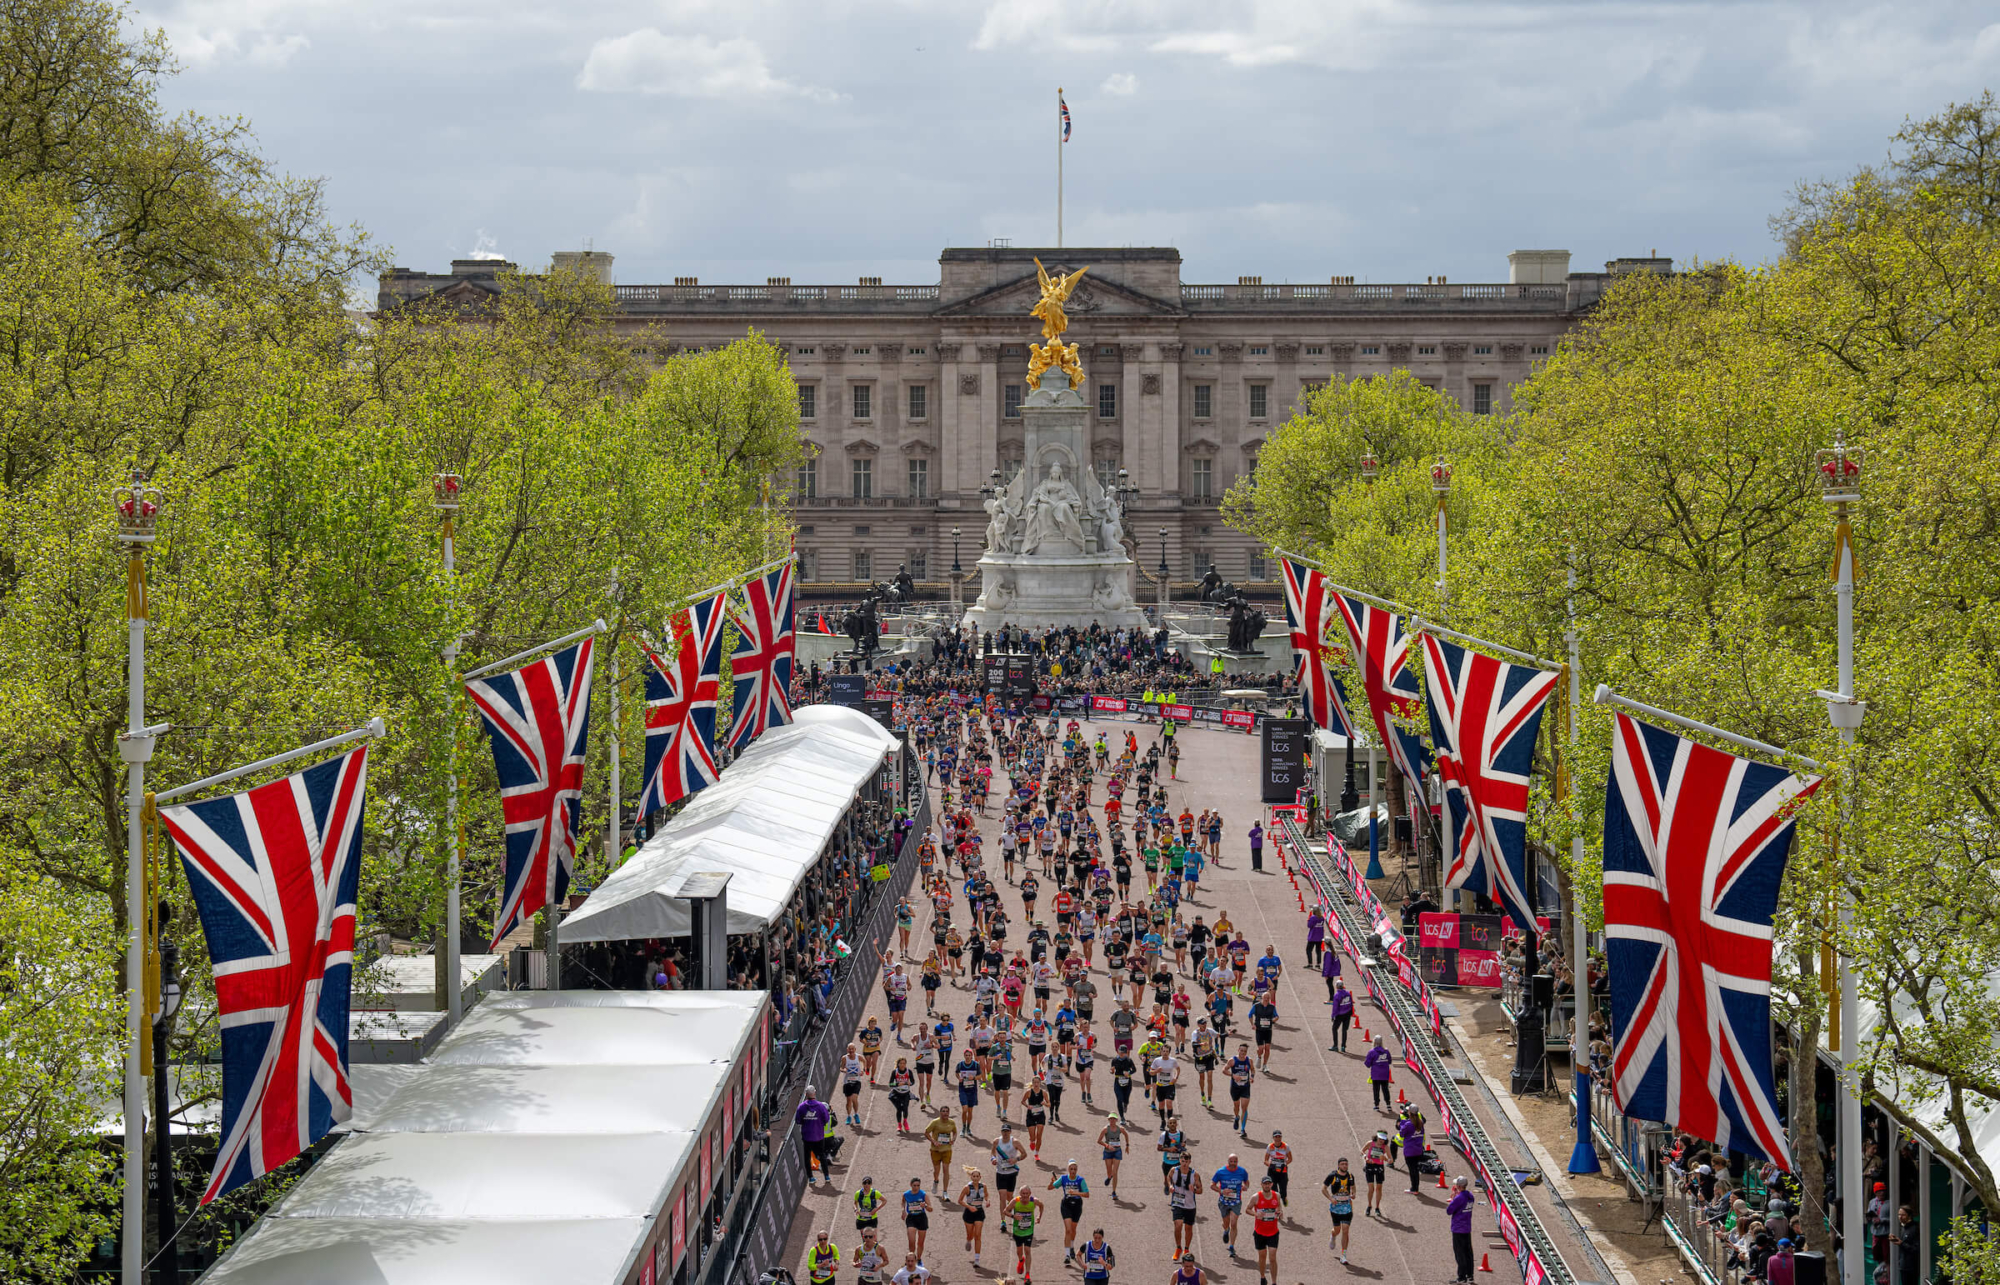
{"points": [[1264, 1210]]}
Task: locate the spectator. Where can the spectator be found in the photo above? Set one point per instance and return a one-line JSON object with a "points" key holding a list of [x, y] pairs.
{"points": [[813, 1117], [1459, 1210]]}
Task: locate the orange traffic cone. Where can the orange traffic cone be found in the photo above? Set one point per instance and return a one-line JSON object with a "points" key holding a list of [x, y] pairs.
{"points": [[1365, 1037], [1400, 1099], [1441, 1182], [1484, 1266]]}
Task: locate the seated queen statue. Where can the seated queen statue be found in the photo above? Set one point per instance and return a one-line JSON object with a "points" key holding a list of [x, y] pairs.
{"points": [[1053, 514]]}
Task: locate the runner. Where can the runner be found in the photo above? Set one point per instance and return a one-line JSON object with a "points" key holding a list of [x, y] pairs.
{"points": [[1074, 1191], [917, 1216], [1035, 1105], [967, 1071], [1374, 1168], [1113, 1139], [902, 1083], [850, 1084], [1097, 1258], [1265, 1210], [822, 1260], [1263, 1025], [941, 1133], [1278, 1165], [1241, 1072], [1187, 1273], [1183, 1186], [870, 1259], [1230, 1181], [1007, 1156], [972, 1204], [867, 1206], [1022, 1212], [1339, 1191]]}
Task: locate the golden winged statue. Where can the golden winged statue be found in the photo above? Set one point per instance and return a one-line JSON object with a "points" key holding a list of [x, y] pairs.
{"points": [[1052, 351]]}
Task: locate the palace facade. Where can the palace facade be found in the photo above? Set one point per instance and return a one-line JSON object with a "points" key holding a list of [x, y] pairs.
{"points": [[911, 394]]}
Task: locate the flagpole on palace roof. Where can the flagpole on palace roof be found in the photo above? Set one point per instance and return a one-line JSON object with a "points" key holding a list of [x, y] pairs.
{"points": [[1059, 166], [137, 505]]}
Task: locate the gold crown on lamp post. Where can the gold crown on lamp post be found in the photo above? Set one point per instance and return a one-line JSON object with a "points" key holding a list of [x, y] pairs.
{"points": [[1369, 465], [138, 507], [445, 491], [1839, 473], [1441, 476]]}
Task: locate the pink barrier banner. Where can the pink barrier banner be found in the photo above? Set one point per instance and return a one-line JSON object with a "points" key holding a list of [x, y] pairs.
{"points": [[1179, 713], [1479, 968], [1109, 704], [1437, 931], [1238, 718]]}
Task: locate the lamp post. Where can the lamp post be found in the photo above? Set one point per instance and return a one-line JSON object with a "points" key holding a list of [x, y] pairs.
{"points": [[1583, 1156], [446, 492], [1163, 577], [167, 1266], [1441, 484], [137, 505], [957, 580], [1840, 485], [1350, 797]]}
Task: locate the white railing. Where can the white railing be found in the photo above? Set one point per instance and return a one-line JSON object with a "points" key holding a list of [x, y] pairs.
{"points": [[1425, 293], [774, 294]]}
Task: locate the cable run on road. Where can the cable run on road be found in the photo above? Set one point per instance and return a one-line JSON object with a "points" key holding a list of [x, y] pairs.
{"points": [[1418, 1047]]}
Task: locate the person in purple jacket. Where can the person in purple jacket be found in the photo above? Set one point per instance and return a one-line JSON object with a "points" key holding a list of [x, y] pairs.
{"points": [[1411, 1129], [1459, 1210], [1329, 968], [813, 1116], [1315, 936], [1343, 1015], [1378, 1062]]}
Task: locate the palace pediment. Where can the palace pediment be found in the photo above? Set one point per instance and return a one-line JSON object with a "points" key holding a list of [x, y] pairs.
{"points": [[1091, 298]]}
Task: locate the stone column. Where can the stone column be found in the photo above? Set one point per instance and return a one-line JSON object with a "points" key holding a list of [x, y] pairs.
{"points": [[1131, 404], [1455, 382], [954, 440], [1287, 383], [1164, 433], [988, 432]]}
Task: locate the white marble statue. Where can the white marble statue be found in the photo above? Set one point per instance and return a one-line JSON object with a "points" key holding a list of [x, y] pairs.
{"points": [[1104, 517], [1053, 513], [1004, 510]]}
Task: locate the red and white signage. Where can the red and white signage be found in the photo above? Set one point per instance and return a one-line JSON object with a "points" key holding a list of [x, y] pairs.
{"points": [[1437, 930], [1478, 968]]}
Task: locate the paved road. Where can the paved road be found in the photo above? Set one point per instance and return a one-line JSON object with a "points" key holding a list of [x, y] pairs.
{"points": [[1319, 1098]]}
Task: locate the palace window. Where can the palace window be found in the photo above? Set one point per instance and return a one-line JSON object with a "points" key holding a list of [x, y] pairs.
{"points": [[917, 350], [1204, 401], [1427, 350], [1482, 399], [804, 350], [862, 396], [863, 569], [807, 529], [864, 479], [1538, 350], [1201, 478], [1258, 569], [809, 480], [1260, 350], [863, 351], [1107, 401], [1010, 401], [1482, 350], [1371, 350], [1260, 395], [808, 401], [1009, 470], [919, 564], [919, 397], [808, 564], [861, 530], [920, 479], [1204, 350], [1315, 351]]}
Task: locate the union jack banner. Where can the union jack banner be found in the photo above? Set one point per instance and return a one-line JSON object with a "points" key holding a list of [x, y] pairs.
{"points": [[274, 872], [1485, 715], [1383, 649], [1695, 843], [1309, 611], [761, 663], [538, 718], [680, 708]]}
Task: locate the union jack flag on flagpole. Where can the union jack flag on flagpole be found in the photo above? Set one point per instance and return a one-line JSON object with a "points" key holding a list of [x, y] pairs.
{"points": [[680, 708], [1063, 107], [274, 873], [1309, 611], [1383, 650], [1485, 715], [1695, 844], [538, 718], [761, 663]]}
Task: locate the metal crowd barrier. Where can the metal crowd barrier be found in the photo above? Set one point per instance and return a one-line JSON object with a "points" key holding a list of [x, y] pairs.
{"points": [[1415, 1031]]}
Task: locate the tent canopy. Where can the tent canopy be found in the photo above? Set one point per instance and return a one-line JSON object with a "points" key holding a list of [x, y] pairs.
{"points": [[764, 822], [538, 1144]]}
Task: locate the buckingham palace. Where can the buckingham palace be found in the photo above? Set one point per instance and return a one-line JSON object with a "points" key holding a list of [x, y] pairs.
{"points": [[910, 394]]}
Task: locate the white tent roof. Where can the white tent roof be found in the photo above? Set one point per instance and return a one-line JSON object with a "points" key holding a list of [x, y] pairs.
{"points": [[538, 1144], [764, 823]]}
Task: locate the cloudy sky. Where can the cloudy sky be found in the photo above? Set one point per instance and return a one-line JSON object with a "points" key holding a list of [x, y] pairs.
{"points": [[827, 139]]}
